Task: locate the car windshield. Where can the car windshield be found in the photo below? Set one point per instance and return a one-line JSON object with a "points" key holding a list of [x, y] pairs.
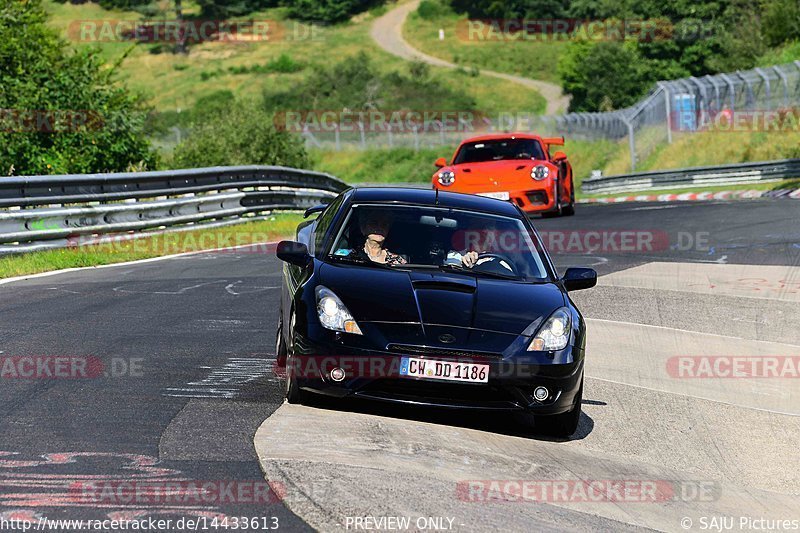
{"points": [[499, 150], [438, 238]]}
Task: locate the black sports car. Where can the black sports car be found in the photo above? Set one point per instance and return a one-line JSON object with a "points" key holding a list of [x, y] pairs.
{"points": [[431, 298]]}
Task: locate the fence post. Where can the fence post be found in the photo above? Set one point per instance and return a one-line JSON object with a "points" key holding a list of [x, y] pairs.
{"points": [[631, 142], [363, 136], [766, 87], [731, 90], [749, 96], [667, 110], [336, 137], [389, 133], [785, 81], [713, 82]]}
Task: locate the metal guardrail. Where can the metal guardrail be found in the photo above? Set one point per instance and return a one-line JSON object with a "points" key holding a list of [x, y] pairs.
{"points": [[736, 174], [39, 212]]}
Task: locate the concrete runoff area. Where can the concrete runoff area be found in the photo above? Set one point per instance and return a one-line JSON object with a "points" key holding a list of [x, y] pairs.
{"points": [[668, 399], [773, 282], [701, 365], [337, 465]]}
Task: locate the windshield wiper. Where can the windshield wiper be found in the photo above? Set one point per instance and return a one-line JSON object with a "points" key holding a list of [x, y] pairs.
{"points": [[465, 270]]}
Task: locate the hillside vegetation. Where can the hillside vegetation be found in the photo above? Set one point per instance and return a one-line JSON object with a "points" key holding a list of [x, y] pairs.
{"points": [[600, 66]]}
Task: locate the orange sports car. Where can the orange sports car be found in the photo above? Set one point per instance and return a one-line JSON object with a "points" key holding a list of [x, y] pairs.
{"points": [[512, 166]]}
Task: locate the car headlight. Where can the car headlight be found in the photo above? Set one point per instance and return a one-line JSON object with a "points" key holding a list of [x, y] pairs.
{"points": [[540, 172], [447, 177], [333, 314], [554, 333]]}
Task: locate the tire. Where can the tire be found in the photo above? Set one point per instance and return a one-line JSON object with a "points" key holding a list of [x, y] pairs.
{"points": [[558, 209], [294, 394], [562, 425], [569, 210]]}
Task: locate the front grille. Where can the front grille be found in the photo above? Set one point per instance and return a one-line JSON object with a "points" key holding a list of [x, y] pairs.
{"points": [[407, 349], [442, 393]]}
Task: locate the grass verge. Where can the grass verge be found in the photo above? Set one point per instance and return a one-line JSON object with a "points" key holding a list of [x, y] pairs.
{"points": [[396, 165], [281, 225], [501, 53]]}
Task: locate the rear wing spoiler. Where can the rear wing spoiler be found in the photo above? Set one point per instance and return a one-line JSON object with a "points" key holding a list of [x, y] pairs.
{"points": [[558, 141]]}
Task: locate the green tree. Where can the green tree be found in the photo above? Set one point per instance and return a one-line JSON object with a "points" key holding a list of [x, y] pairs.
{"points": [[781, 21], [60, 110], [603, 75]]}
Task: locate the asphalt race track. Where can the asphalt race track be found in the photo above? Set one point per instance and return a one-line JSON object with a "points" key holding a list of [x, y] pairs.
{"points": [[180, 379]]}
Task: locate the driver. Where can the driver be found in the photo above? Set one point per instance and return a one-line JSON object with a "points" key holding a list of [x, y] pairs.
{"points": [[375, 227]]}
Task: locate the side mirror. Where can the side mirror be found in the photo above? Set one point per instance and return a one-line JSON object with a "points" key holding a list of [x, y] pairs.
{"points": [[559, 156], [315, 209], [576, 279], [441, 162], [295, 253]]}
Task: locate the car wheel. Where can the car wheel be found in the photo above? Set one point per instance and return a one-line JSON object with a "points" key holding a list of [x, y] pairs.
{"points": [[558, 211], [562, 425], [569, 210], [280, 345], [294, 394]]}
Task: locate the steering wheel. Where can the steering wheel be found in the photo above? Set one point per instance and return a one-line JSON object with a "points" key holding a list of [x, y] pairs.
{"points": [[495, 264]]}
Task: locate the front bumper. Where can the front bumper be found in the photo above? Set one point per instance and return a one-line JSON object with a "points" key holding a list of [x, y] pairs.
{"points": [[510, 386], [539, 200]]}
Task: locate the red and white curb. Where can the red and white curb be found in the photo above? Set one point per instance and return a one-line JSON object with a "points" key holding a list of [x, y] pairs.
{"points": [[696, 196]]}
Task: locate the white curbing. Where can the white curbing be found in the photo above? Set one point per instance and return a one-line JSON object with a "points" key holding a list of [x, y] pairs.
{"points": [[689, 197]]}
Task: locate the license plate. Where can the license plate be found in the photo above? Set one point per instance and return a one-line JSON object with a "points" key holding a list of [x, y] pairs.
{"points": [[496, 195], [444, 370]]}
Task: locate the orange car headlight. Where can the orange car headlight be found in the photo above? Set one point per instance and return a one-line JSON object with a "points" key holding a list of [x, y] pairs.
{"points": [[447, 177], [540, 172]]}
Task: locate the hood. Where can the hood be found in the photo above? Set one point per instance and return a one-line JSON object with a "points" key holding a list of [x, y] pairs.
{"points": [[443, 303], [488, 174]]}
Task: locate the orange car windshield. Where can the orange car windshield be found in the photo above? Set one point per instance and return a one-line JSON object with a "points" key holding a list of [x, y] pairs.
{"points": [[499, 150]]}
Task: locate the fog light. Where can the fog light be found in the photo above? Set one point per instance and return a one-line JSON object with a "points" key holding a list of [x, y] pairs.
{"points": [[541, 393], [337, 374]]}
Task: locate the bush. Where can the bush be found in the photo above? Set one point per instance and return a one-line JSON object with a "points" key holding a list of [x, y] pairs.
{"points": [[328, 10], [243, 134], [432, 9], [356, 84], [284, 64], [101, 127]]}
